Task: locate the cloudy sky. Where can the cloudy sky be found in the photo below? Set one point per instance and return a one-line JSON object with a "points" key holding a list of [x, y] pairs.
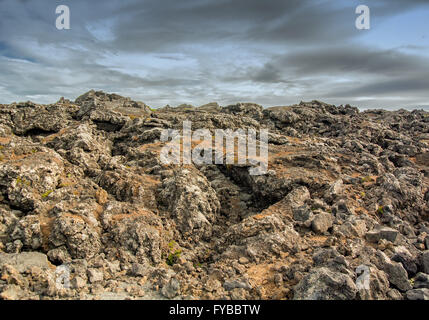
{"points": [[272, 52]]}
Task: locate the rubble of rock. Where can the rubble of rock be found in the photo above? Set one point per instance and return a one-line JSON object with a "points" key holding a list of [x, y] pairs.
{"points": [[88, 211]]}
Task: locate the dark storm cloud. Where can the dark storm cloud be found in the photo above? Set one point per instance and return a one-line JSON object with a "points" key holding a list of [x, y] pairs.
{"points": [[344, 60], [196, 21], [154, 24], [340, 73], [169, 23]]}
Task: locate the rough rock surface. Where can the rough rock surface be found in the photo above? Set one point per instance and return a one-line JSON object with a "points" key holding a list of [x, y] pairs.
{"points": [[89, 211]]}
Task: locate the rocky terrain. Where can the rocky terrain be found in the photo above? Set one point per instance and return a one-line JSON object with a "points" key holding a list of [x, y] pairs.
{"points": [[83, 191]]}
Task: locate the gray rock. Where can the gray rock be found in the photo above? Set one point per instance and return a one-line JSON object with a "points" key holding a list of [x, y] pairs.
{"points": [[171, 289], [409, 262], [138, 269], [105, 108], [28, 231], [334, 191], [386, 233], [95, 275], [352, 227], [373, 236], [25, 260], [329, 257], [302, 213], [394, 294], [324, 284], [79, 267], [81, 238], [322, 222], [192, 201], [59, 255], [421, 281], [396, 273], [260, 238], [78, 282], [297, 197], [233, 284], [36, 118], [342, 210], [26, 182], [244, 109], [418, 294], [378, 286], [138, 238]]}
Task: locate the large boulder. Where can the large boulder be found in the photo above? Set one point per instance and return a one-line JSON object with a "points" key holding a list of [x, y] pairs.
{"points": [[132, 234], [33, 119], [425, 261], [324, 284], [191, 202], [27, 177], [260, 238], [109, 112], [81, 145], [77, 234], [396, 273]]}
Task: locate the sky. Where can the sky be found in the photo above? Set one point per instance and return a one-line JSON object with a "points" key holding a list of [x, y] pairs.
{"points": [[270, 52]]}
